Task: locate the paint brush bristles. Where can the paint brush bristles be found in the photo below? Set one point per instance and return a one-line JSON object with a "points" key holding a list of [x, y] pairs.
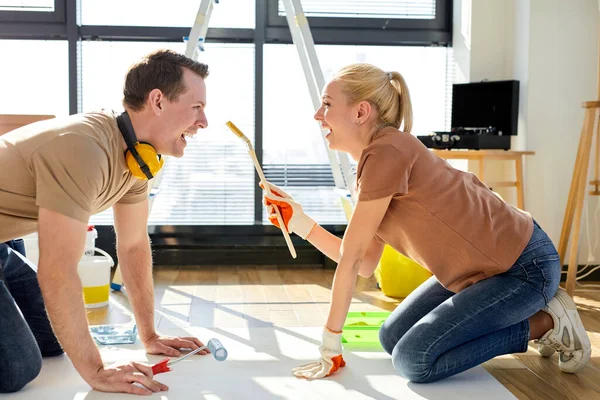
{"points": [[286, 234], [239, 133]]}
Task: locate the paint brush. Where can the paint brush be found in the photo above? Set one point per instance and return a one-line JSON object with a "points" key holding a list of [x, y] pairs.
{"points": [[239, 134]]}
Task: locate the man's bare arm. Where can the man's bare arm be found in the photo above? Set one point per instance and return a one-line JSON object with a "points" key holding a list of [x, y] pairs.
{"points": [[61, 242], [135, 257]]}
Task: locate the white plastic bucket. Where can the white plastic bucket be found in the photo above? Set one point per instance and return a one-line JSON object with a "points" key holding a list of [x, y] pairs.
{"points": [[94, 272], [32, 250]]}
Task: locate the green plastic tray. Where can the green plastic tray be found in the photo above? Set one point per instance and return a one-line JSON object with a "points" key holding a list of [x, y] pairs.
{"points": [[363, 328]]}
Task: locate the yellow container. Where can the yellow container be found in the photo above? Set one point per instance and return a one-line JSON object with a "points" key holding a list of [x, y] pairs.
{"points": [[398, 275], [94, 272], [96, 296]]}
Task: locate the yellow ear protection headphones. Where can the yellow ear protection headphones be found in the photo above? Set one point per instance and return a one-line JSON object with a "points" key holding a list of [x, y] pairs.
{"points": [[142, 159]]}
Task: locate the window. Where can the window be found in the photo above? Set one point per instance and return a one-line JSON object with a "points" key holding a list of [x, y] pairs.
{"points": [[27, 5], [213, 184], [382, 21], [174, 13], [409, 9], [292, 139], [24, 77], [53, 11]]}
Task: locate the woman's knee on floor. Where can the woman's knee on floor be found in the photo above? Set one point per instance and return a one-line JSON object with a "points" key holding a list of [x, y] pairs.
{"points": [[386, 340], [413, 363], [390, 332], [18, 371]]}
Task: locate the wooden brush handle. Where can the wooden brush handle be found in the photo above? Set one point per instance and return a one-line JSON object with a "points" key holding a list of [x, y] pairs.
{"points": [[241, 135], [286, 235]]}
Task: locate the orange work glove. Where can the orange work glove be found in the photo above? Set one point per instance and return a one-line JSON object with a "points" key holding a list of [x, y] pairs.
{"points": [[291, 212], [331, 358]]}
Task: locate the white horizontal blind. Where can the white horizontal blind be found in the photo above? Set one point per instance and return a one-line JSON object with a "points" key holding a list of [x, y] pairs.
{"points": [[401, 9], [27, 5], [213, 183], [179, 13]]}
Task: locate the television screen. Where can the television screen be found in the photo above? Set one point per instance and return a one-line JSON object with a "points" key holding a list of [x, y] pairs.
{"points": [[486, 104]]}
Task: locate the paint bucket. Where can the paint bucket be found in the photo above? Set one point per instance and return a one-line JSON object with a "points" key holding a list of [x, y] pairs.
{"points": [[31, 248], [94, 272], [32, 252]]}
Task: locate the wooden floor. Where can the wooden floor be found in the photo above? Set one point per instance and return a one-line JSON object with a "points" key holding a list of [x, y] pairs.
{"points": [[264, 296]]}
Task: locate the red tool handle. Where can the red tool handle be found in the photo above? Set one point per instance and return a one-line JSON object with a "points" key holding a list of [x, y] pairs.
{"points": [[161, 367]]}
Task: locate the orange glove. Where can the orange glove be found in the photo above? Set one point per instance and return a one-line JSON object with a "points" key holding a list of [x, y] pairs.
{"points": [[293, 216], [331, 358]]}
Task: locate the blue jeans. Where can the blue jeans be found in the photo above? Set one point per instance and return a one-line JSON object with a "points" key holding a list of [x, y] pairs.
{"points": [[25, 332], [435, 333]]}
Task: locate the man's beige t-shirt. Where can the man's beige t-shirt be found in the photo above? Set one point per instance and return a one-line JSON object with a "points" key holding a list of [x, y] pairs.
{"points": [[445, 219], [74, 165]]}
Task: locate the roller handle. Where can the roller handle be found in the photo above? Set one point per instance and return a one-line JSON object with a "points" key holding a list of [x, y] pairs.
{"points": [[214, 345]]}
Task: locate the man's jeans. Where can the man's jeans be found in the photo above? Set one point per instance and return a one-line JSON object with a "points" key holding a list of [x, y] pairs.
{"points": [[435, 333], [25, 332]]}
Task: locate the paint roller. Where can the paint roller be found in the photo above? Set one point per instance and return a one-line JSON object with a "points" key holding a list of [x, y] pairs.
{"points": [[215, 346]]}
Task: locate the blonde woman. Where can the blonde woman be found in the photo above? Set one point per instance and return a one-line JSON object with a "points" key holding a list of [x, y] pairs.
{"points": [[495, 271]]}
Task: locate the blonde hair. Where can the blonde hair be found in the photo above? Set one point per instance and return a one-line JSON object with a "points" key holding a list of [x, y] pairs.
{"points": [[386, 91]]}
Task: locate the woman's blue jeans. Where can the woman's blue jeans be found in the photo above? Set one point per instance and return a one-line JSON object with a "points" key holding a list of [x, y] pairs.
{"points": [[435, 333], [25, 332]]}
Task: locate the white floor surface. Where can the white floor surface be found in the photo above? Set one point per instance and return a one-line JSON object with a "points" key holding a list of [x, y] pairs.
{"points": [[258, 367]]}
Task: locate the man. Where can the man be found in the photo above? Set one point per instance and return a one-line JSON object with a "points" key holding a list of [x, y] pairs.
{"points": [[55, 174]]}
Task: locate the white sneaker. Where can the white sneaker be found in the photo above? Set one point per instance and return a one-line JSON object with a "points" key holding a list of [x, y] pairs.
{"points": [[568, 336]]}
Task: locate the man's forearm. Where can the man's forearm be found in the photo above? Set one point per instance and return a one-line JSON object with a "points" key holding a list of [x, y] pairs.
{"points": [[136, 265], [62, 290]]}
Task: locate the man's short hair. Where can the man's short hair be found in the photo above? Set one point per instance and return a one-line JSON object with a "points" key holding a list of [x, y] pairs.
{"points": [[161, 69]]}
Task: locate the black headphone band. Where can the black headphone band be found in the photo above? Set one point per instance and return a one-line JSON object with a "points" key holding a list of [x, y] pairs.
{"points": [[126, 128]]}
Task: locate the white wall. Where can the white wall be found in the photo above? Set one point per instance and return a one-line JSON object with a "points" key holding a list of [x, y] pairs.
{"points": [[563, 59], [486, 55], [551, 47], [491, 40], [461, 40], [520, 67]]}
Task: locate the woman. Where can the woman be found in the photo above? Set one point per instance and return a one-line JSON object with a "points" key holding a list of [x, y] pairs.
{"points": [[495, 271]]}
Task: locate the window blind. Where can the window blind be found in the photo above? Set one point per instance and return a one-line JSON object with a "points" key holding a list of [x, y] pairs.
{"points": [[173, 13], [27, 5], [407, 9], [213, 183]]}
